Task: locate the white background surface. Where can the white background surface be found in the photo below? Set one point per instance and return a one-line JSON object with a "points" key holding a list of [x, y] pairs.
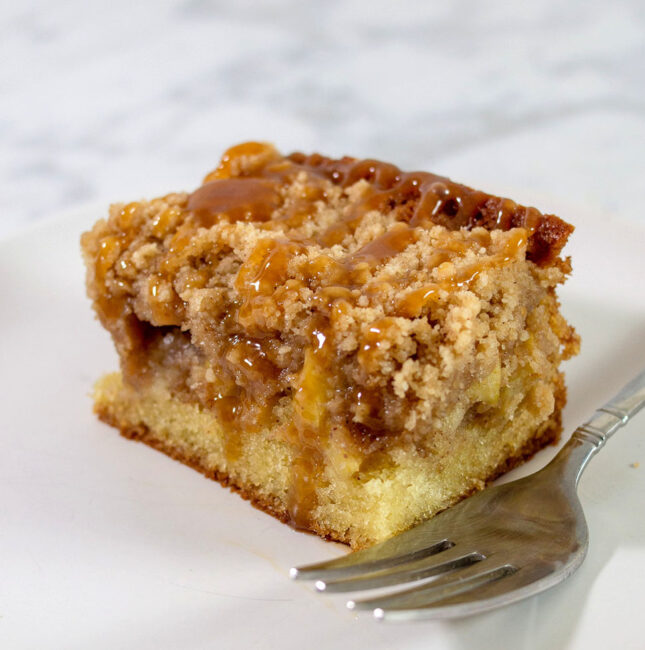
{"points": [[107, 544]]}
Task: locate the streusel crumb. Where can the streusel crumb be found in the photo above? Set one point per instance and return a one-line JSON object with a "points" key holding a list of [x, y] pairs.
{"points": [[338, 303]]}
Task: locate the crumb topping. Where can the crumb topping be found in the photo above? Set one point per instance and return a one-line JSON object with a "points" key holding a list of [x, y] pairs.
{"points": [[368, 299]]}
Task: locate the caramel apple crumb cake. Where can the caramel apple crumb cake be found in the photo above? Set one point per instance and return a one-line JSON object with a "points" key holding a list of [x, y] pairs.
{"points": [[351, 347]]}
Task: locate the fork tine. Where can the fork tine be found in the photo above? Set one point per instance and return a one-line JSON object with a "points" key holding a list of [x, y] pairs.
{"points": [[409, 546], [518, 584], [442, 562], [462, 581]]}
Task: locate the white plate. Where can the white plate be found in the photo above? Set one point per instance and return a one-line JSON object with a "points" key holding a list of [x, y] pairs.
{"points": [[105, 543]]}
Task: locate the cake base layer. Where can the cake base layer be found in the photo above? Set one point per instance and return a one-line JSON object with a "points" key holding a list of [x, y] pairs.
{"points": [[358, 508]]}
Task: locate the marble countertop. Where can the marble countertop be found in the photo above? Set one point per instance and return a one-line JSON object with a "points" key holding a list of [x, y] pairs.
{"points": [[116, 100]]}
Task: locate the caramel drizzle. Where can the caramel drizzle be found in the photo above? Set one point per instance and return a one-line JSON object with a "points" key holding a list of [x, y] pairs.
{"points": [[265, 273], [309, 431], [417, 198], [421, 200], [248, 186], [413, 303]]}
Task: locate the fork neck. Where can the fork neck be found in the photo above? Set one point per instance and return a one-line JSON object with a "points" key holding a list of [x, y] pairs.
{"points": [[591, 436], [572, 459]]}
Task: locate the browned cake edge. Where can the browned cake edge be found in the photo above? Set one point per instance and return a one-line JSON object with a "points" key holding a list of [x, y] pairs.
{"points": [[548, 433]]}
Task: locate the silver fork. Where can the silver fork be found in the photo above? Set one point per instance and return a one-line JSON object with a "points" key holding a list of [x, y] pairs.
{"points": [[497, 547]]}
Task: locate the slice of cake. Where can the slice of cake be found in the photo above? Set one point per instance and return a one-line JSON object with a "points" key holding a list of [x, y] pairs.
{"points": [[351, 347]]}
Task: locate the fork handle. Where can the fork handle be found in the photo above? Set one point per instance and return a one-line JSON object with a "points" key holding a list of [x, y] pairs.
{"points": [[616, 413], [590, 437]]}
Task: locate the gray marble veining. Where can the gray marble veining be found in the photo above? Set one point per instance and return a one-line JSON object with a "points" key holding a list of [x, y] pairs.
{"points": [[113, 100]]}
